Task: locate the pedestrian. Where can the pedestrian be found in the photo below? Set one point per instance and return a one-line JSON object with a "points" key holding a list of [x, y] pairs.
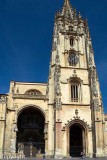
{"points": [[44, 155], [82, 154]]}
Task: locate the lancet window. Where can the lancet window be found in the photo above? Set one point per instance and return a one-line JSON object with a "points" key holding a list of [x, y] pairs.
{"points": [[71, 42], [75, 91]]}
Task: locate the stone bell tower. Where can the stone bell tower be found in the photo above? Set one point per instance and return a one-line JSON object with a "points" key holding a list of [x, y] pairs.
{"points": [[73, 88]]}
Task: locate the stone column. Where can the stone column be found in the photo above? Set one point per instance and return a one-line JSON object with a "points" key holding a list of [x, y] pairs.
{"points": [[90, 144], [12, 146], [84, 140], [64, 143], [46, 137], [66, 58], [2, 134], [13, 138], [57, 134], [58, 150], [104, 136], [2, 122]]}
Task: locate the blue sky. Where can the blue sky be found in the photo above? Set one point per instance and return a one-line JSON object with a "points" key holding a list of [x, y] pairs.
{"points": [[26, 28]]}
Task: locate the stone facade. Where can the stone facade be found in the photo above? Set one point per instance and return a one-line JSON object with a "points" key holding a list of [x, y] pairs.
{"points": [[70, 103]]}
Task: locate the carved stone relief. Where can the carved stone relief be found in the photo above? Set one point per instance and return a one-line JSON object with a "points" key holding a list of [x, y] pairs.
{"points": [[3, 99], [54, 46], [57, 75], [94, 88]]}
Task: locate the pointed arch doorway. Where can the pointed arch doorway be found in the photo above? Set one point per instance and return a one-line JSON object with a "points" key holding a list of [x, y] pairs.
{"points": [[30, 135], [77, 140]]}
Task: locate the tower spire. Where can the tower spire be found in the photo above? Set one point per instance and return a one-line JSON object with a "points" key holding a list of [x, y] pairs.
{"points": [[66, 2], [67, 9]]}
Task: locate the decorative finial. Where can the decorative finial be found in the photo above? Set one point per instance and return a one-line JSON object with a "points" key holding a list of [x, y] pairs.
{"points": [[74, 12], [79, 15], [67, 1]]}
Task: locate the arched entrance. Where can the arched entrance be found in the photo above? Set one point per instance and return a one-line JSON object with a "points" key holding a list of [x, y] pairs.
{"points": [[30, 135], [77, 140]]}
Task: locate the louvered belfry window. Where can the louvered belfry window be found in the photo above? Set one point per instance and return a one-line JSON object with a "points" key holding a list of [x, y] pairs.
{"points": [[75, 91]]}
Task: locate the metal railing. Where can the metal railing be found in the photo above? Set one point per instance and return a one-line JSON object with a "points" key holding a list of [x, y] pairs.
{"points": [[31, 149]]}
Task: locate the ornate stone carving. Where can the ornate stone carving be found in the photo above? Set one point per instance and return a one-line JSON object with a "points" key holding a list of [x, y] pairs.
{"points": [[17, 91], [33, 92], [57, 62], [20, 148], [76, 118], [55, 31], [58, 39], [74, 73], [47, 89], [90, 48], [76, 112], [3, 99], [54, 46], [46, 128], [93, 81], [96, 104], [57, 89], [12, 146], [58, 103], [73, 59], [66, 36], [57, 81], [12, 90], [57, 75], [60, 26], [90, 61], [94, 88]]}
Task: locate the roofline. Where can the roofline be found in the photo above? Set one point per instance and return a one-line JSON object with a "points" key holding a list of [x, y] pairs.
{"points": [[3, 94], [29, 83]]}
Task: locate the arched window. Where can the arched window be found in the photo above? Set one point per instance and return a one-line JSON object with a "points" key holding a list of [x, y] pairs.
{"points": [[75, 91], [33, 92], [71, 42], [72, 59]]}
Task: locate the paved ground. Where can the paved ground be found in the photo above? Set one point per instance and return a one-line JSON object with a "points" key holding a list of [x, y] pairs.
{"points": [[105, 158], [67, 159]]}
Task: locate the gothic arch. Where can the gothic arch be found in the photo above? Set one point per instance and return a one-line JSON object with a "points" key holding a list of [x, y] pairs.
{"points": [[21, 109], [33, 92], [75, 78], [31, 126], [73, 127], [75, 88], [76, 119], [72, 50], [79, 121]]}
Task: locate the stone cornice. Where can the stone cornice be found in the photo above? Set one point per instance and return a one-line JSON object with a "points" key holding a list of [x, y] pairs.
{"points": [[69, 67], [24, 96], [75, 104]]}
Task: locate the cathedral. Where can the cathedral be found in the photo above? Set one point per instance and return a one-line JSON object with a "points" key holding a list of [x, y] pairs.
{"points": [[64, 116]]}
